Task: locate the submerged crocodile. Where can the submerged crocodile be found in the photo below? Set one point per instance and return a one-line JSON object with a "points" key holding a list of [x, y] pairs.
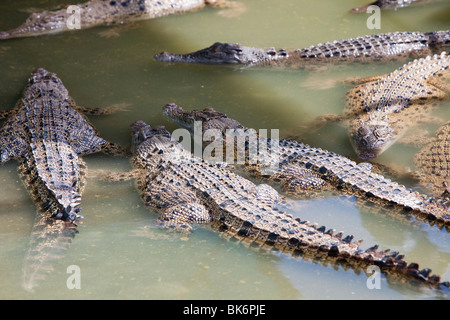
{"points": [[384, 46], [433, 162], [381, 108], [304, 167], [104, 12], [46, 134], [391, 4], [187, 190], [50, 238]]}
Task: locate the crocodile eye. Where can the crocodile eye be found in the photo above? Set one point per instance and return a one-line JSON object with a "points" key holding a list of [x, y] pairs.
{"points": [[363, 143], [363, 131]]}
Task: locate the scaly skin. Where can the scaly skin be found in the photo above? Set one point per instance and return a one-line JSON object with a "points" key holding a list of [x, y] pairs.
{"points": [[50, 238], [390, 4], [46, 131], [305, 167], [104, 12], [433, 162], [382, 108], [46, 134], [377, 47], [186, 189]]}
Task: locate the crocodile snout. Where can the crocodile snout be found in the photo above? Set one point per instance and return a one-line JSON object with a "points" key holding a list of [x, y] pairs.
{"points": [[164, 56], [5, 35], [171, 108]]}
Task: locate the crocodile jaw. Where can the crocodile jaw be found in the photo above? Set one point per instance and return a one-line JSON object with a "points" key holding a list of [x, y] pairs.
{"points": [[218, 53], [224, 53]]}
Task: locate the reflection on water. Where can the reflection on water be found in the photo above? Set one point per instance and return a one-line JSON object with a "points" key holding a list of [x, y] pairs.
{"points": [[120, 250]]}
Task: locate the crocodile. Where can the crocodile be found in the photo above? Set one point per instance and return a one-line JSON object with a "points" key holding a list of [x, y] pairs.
{"points": [[104, 12], [304, 167], [46, 133], [391, 4], [187, 190], [376, 47], [380, 109], [433, 162]]}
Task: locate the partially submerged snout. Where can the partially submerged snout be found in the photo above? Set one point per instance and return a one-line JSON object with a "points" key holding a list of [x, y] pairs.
{"points": [[41, 78], [172, 110], [210, 118], [370, 140], [167, 57], [141, 132], [41, 75], [218, 53]]}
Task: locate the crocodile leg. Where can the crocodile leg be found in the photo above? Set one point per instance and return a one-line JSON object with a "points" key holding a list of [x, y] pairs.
{"points": [[441, 84], [6, 113], [181, 216], [122, 176], [12, 137], [114, 149], [295, 179], [103, 111]]}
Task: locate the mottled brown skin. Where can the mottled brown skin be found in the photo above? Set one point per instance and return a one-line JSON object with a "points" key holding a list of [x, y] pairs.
{"points": [[187, 190], [105, 12], [433, 162], [371, 48], [303, 168]]}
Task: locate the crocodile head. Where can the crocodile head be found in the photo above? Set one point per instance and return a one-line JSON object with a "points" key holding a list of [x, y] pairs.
{"points": [[142, 133], [41, 78], [210, 118], [45, 22], [370, 139], [218, 53]]}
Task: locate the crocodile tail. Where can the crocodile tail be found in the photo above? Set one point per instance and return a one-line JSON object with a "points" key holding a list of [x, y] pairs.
{"points": [[49, 241], [70, 206], [343, 250]]}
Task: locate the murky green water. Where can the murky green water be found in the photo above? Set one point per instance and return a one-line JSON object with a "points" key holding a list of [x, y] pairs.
{"points": [[119, 249]]}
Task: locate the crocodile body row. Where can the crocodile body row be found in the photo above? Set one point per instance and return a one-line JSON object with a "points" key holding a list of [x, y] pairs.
{"points": [[102, 12], [302, 166], [391, 4], [382, 108], [433, 162], [384, 46], [186, 190]]}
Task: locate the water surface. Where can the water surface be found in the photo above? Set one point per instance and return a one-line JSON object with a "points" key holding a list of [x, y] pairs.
{"points": [[120, 251]]}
